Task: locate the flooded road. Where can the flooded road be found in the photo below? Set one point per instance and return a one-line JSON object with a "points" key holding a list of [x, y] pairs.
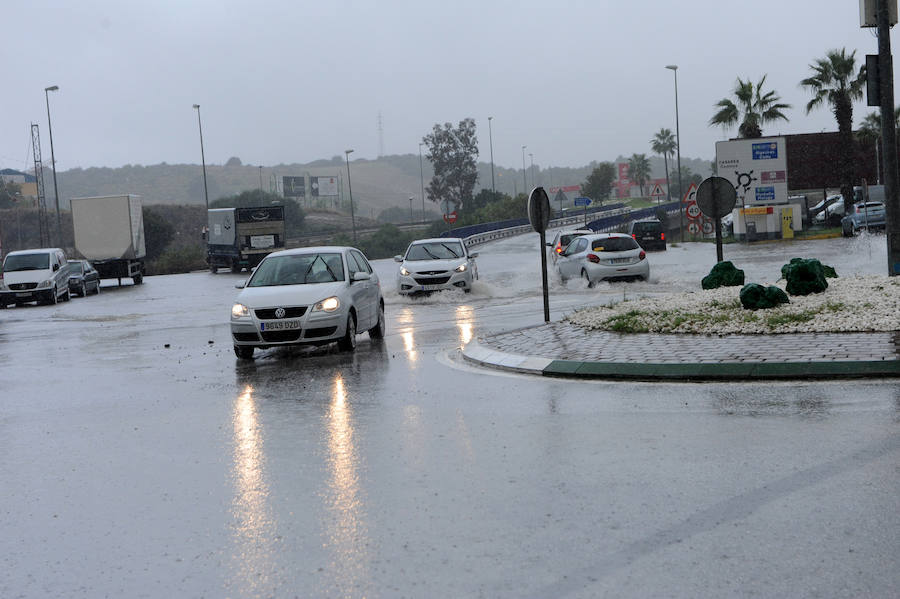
{"points": [[140, 458]]}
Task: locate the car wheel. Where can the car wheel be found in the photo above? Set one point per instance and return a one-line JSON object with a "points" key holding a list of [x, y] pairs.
{"points": [[377, 332], [138, 279], [587, 279], [213, 268], [97, 289], [348, 341], [235, 267], [82, 291], [53, 297], [66, 296], [244, 352]]}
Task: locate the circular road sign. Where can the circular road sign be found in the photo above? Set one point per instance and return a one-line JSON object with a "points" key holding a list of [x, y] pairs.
{"points": [[539, 209], [716, 197], [707, 227], [693, 211], [450, 218], [694, 228]]}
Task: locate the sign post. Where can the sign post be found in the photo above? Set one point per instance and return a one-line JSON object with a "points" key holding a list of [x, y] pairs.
{"points": [[716, 197], [583, 202], [539, 217]]}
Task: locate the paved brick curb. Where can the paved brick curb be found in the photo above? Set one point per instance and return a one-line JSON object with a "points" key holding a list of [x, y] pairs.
{"points": [[878, 358]]}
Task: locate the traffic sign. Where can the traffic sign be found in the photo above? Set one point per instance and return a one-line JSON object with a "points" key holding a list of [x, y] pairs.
{"points": [[708, 227], [560, 197], [657, 191], [690, 194], [582, 201], [539, 209], [694, 228], [693, 211], [450, 218], [716, 197]]}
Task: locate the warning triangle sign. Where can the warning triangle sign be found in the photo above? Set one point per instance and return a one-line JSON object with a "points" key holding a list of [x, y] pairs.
{"points": [[657, 191], [691, 195], [560, 197]]}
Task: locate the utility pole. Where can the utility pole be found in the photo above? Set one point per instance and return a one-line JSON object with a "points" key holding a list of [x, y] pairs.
{"points": [[888, 137]]}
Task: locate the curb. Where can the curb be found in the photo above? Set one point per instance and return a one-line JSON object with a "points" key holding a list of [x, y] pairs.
{"points": [[476, 353]]}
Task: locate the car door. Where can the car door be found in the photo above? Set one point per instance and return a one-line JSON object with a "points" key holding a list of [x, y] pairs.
{"points": [[568, 262], [373, 286], [361, 293]]}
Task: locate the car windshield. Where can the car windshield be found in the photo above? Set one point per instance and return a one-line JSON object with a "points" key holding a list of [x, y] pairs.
{"points": [[298, 269], [76, 268], [435, 250], [614, 244], [19, 262]]}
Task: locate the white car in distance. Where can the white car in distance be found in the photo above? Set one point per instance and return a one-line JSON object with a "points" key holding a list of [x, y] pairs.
{"points": [[308, 296], [603, 256], [436, 264]]}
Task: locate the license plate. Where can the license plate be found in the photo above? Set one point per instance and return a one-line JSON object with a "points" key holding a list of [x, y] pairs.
{"points": [[648, 238], [620, 261], [430, 287], [279, 325], [28, 294]]}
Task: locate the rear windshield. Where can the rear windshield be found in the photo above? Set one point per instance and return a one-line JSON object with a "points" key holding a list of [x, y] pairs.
{"points": [[298, 269], [26, 262], [76, 267], [614, 244], [641, 228], [438, 250], [567, 238]]}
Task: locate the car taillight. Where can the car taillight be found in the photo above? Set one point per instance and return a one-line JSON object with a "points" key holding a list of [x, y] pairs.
{"points": [[642, 255], [634, 236], [593, 258], [558, 248], [662, 236]]}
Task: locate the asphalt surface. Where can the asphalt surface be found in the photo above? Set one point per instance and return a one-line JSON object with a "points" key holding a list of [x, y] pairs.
{"points": [[140, 458]]}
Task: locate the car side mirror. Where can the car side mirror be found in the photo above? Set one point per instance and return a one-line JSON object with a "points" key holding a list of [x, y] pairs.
{"points": [[360, 276], [241, 285], [398, 258], [55, 267]]}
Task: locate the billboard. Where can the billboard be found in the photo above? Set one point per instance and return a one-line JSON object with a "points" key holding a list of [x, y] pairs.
{"points": [[756, 167], [293, 187], [323, 186]]}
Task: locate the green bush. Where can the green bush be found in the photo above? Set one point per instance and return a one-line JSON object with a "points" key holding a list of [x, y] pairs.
{"points": [[723, 274], [805, 276], [756, 297], [177, 260]]}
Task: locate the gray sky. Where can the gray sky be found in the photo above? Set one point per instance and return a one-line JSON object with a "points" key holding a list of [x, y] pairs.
{"points": [[287, 81]]}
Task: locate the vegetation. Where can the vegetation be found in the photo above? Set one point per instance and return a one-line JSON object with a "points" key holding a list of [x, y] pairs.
{"points": [[9, 192], [639, 170], [158, 233], [752, 110], [664, 143], [453, 152], [599, 183], [836, 81]]}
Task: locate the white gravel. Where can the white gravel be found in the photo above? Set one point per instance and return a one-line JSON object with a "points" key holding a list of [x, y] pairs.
{"points": [[850, 304]]}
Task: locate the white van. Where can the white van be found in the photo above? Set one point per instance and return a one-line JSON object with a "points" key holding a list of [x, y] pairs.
{"points": [[40, 275]]}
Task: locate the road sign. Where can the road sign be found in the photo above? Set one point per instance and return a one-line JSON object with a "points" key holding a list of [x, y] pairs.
{"points": [[693, 211], [708, 227], [582, 201], [293, 187], [716, 197], [539, 209], [447, 206], [560, 197], [691, 193], [657, 192], [450, 218], [694, 228]]}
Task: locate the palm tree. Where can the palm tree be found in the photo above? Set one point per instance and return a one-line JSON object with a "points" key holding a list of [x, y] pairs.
{"points": [[639, 170], [836, 81], [752, 110], [664, 143]]}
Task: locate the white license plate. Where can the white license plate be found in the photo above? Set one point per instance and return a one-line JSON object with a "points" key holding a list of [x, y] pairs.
{"points": [[430, 287], [28, 294], [620, 261], [279, 325]]}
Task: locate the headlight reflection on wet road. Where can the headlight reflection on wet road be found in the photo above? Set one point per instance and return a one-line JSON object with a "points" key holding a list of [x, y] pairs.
{"points": [[464, 316]]}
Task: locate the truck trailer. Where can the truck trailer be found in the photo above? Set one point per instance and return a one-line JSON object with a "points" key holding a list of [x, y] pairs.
{"points": [[239, 238], [109, 232]]}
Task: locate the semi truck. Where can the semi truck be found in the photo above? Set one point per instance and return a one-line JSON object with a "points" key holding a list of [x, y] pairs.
{"points": [[109, 232], [239, 238]]}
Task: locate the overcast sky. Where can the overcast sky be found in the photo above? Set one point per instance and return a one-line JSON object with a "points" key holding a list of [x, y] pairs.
{"points": [[288, 81]]}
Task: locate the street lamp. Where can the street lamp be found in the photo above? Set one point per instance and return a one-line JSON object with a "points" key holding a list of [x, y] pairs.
{"points": [[674, 69], [350, 189], [53, 88], [422, 175], [531, 157], [411, 219], [202, 157], [491, 139], [524, 172]]}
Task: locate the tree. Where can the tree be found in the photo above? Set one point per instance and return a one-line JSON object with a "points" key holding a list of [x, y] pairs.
{"points": [[599, 183], [453, 152], [293, 213], [158, 233], [836, 81], [752, 110], [639, 170], [10, 193], [664, 143]]}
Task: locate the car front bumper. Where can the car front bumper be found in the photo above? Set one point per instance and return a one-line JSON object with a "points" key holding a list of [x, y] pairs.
{"points": [[313, 328], [419, 283]]}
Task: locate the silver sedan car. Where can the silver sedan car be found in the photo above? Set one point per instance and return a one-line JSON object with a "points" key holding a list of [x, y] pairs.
{"points": [[603, 256], [308, 296]]}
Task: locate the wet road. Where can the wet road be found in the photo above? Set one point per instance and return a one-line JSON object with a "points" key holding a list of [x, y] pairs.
{"points": [[141, 459]]}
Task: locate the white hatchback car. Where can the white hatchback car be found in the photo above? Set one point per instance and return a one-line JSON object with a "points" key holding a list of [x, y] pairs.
{"points": [[603, 256], [436, 264], [308, 296]]}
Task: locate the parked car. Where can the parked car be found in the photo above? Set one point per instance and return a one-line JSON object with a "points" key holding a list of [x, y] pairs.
{"points": [[562, 239], [308, 296], [821, 206], [832, 213], [83, 278], [863, 215], [649, 234], [603, 256], [436, 264], [40, 275]]}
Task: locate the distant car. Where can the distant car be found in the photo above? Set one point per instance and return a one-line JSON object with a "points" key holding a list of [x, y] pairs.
{"points": [[603, 256], [728, 224], [308, 296], [40, 275], [83, 278], [864, 215], [435, 265], [821, 206], [832, 213], [649, 234], [562, 239]]}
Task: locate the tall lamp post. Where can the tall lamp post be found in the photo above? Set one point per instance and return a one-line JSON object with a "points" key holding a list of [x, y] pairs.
{"points": [[524, 172], [491, 139], [53, 88], [411, 218], [531, 157], [350, 189], [674, 69], [202, 157], [422, 175]]}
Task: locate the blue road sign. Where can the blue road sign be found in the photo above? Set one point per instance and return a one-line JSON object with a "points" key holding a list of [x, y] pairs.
{"points": [[582, 201]]}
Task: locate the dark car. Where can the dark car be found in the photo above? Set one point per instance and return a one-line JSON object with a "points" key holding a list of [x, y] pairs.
{"points": [[649, 234], [83, 278]]}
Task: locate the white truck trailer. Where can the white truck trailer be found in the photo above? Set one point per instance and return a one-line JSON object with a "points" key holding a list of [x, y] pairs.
{"points": [[109, 232]]}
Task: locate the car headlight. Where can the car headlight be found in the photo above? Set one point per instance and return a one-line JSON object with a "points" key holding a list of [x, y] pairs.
{"points": [[327, 305], [46, 284], [404, 272], [239, 311], [461, 267]]}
